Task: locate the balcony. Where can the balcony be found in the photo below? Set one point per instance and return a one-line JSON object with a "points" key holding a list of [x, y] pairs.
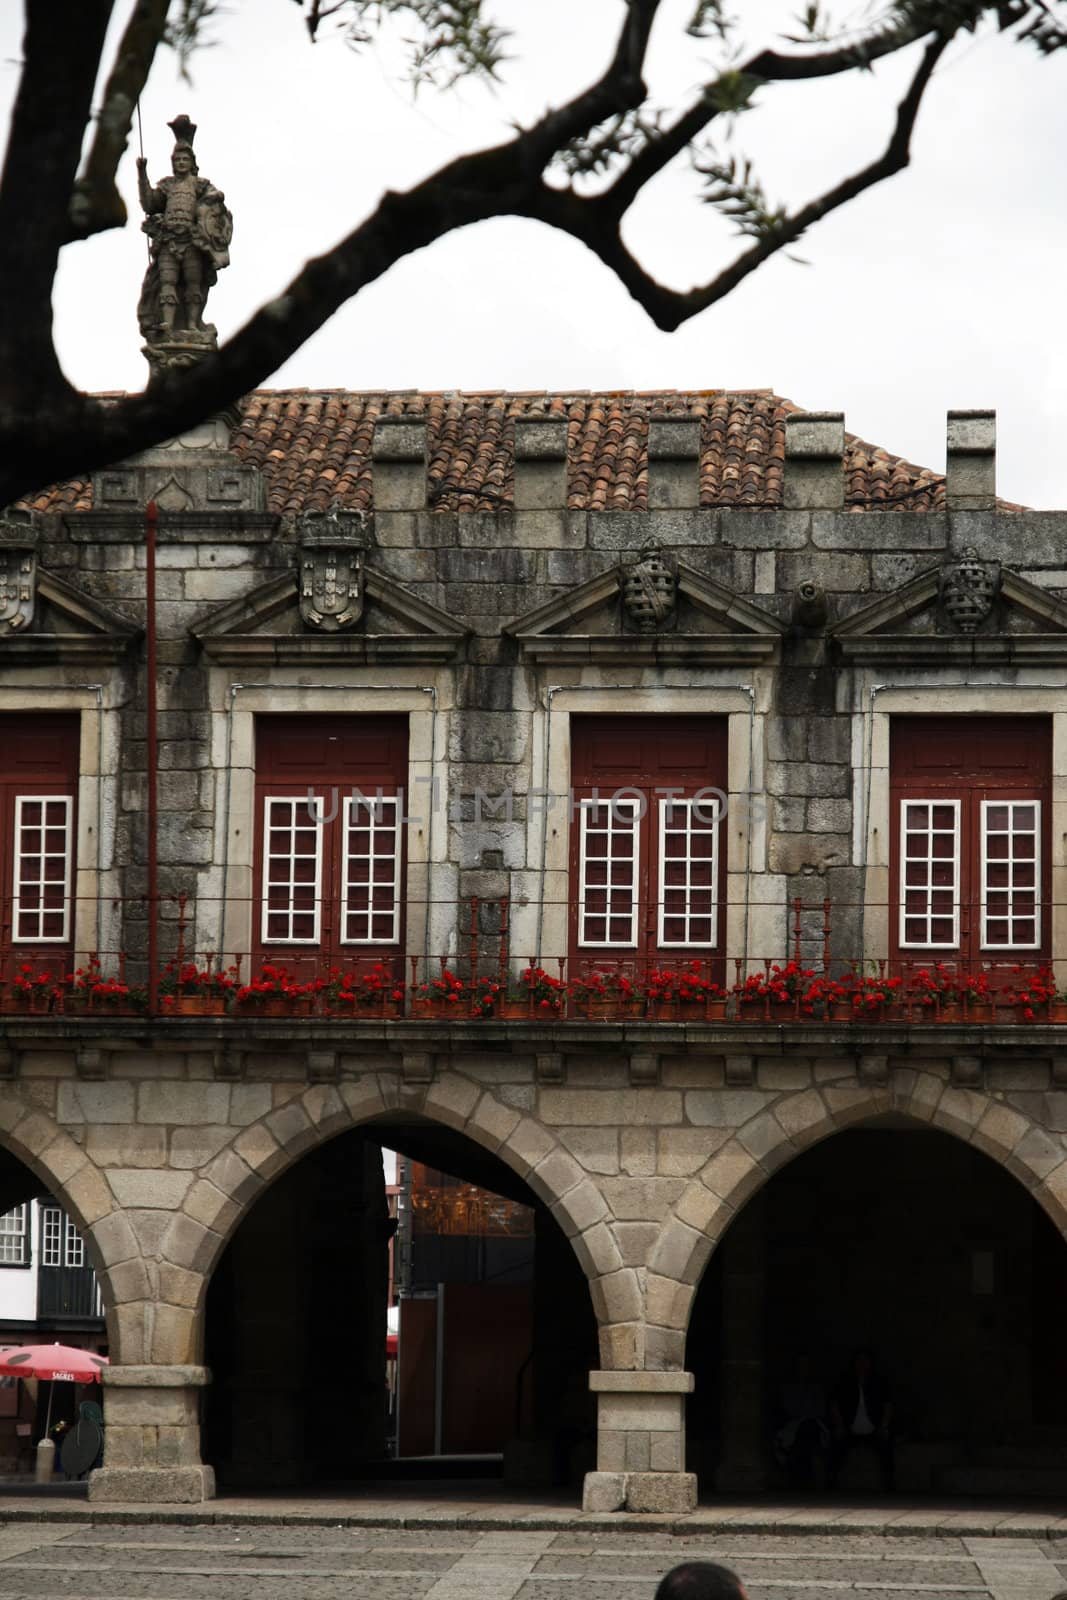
{"points": [[483, 980]]}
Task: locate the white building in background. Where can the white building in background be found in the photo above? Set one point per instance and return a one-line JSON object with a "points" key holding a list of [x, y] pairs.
{"points": [[48, 1288]]}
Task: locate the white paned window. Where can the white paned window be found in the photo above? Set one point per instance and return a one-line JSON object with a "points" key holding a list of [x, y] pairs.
{"points": [[41, 910], [688, 872], [73, 1244], [51, 1236], [292, 870], [371, 870], [1011, 874], [608, 850], [930, 874], [14, 1237]]}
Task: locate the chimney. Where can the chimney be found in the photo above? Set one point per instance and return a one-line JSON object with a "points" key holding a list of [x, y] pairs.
{"points": [[971, 461], [814, 461], [673, 463], [540, 463], [399, 470]]}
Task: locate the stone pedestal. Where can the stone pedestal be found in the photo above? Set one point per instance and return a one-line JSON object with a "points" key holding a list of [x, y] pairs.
{"points": [[743, 1462], [152, 1437], [640, 1443]]}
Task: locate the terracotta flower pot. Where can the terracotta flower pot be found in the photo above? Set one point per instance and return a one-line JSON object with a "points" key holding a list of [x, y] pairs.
{"points": [[986, 1011], [949, 1011], [428, 1008], [715, 1010], [785, 1011], [663, 1011], [1057, 1011], [25, 1005], [840, 1011]]}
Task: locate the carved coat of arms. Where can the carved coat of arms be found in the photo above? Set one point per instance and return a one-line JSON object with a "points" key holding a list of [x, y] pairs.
{"points": [[18, 575], [332, 548], [649, 589], [331, 587], [968, 589]]}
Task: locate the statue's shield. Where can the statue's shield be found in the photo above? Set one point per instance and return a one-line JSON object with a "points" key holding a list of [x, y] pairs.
{"points": [[18, 583]]}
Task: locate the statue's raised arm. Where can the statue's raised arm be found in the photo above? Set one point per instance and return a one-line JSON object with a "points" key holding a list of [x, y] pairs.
{"points": [[189, 229]]}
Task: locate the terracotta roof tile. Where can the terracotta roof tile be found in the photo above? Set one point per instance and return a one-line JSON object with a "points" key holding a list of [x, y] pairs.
{"points": [[314, 446]]}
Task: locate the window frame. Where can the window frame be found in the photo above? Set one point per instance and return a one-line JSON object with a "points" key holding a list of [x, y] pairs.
{"points": [[266, 909], [346, 886], [688, 802], [587, 805], [22, 1234], [18, 883], [1010, 947], [930, 889]]}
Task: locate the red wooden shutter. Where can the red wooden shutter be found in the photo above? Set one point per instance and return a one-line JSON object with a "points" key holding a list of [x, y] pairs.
{"points": [[329, 845], [647, 859], [970, 816], [39, 763]]}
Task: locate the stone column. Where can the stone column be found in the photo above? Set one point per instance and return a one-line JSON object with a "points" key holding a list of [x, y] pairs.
{"points": [[640, 1443], [152, 1437], [743, 1459]]}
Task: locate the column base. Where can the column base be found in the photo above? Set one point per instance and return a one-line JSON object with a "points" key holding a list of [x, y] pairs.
{"points": [[152, 1485], [672, 1493]]}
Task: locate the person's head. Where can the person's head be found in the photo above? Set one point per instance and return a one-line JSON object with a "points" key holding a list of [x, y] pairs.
{"points": [[863, 1364], [182, 160], [700, 1580]]}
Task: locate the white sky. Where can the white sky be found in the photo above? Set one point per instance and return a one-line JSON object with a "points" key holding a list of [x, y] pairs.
{"points": [[936, 290]]}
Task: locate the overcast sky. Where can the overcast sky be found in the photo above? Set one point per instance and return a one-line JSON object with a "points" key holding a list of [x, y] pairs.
{"points": [[939, 289]]}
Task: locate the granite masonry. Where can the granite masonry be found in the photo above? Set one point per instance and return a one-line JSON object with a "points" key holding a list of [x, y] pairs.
{"points": [[490, 609]]}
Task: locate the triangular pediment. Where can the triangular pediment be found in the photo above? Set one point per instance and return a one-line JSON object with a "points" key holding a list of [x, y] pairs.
{"points": [[710, 624], [66, 625], [265, 627], [1023, 622]]}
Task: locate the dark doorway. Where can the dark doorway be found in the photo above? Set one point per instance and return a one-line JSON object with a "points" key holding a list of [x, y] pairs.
{"points": [[496, 1329], [919, 1247]]}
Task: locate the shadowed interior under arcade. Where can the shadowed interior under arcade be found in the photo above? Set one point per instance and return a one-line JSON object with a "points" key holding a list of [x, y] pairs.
{"points": [[909, 1242]]}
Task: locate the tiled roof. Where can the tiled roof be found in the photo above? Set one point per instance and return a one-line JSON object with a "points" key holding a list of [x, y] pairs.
{"points": [[313, 446]]}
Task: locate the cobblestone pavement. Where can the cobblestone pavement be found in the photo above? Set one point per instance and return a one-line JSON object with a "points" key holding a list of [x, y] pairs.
{"points": [[170, 1562]]}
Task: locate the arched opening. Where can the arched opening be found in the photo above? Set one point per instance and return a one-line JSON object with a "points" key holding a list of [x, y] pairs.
{"points": [[437, 1326], [49, 1293], [908, 1242]]}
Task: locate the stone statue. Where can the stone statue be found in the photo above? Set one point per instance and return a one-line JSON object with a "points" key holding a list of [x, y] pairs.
{"points": [[649, 589], [189, 230]]}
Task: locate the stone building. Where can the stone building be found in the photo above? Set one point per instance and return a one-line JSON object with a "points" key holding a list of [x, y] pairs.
{"points": [[508, 608]]}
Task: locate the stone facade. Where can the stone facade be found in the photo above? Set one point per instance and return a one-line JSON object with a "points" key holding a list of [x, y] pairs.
{"points": [[808, 628]]}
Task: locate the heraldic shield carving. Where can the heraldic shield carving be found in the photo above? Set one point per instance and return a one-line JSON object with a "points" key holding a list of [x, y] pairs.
{"points": [[649, 588], [968, 590], [332, 546], [18, 574]]}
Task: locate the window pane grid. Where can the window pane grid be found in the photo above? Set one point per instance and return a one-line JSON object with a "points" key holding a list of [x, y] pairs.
{"points": [[42, 869], [13, 1238], [688, 873], [370, 874], [51, 1236], [930, 874], [292, 871], [608, 863], [1011, 874], [74, 1245]]}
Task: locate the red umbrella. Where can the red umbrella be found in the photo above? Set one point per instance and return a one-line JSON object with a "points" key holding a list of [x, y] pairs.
{"points": [[60, 1362], [57, 1361]]}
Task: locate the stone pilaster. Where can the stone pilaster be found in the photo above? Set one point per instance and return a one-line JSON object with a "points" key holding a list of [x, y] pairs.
{"points": [[152, 1437], [640, 1443]]}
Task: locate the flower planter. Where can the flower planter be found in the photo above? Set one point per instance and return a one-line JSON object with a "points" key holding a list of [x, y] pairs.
{"points": [[949, 1011], [986, 1011], [516, 1010], [196, 1005], [785, 1011], [840, 1011], [598, 1010], [15, 1005], [429, 1010], [278, 1006], [1057, 1011], [663, 1011]]}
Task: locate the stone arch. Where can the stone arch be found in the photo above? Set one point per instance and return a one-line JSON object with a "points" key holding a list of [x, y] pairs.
{"points": [[229, 1184], [793, 1123], [34, 1137]]}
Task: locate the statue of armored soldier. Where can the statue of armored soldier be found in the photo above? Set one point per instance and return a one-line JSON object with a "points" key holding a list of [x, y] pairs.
{"points": [[189, 230]]}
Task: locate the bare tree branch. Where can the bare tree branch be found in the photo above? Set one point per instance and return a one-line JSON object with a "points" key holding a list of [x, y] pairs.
{"points": [[669, 308], [97, 204]]}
